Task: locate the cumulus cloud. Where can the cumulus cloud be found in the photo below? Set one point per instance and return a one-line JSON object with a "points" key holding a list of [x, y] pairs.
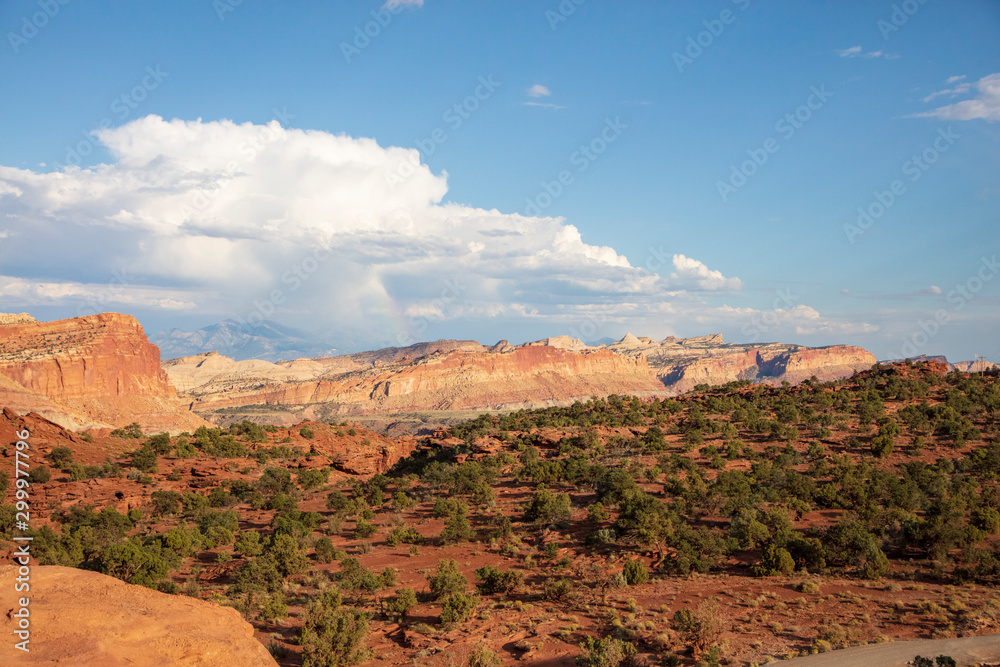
{"points": [[316, 229], [691, 274], [985, 105], [538, 90]]}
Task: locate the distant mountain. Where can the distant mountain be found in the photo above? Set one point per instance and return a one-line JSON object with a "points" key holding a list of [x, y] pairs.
{"points": [[268, 340]]}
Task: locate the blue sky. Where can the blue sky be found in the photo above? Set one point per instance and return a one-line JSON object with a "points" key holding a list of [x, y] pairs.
{"points": [[186, 207]]}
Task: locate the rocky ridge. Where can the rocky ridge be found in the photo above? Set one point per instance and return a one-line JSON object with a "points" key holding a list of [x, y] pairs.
{"points": [[97, 371], [465, 375]]}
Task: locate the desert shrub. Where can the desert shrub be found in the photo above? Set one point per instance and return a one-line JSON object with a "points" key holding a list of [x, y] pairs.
{"points": [[274, 481], [404, 535], [775, 561], [324, 550], [248, 543], [495, 581], [985, 519], [333, 635], [457, 528], [401, 501], [131, 562], [457, 607], [447, 580], [133, 430], [401, 603], [144, 459], [273, 608], [288, 558], [701, 627], [307, 433], [312, 478], [597, 513], [160, 443], [607, 652], [483, 657], [363, 529], [557, 589], [255, 577], [635, 573], [547, 508], [39, 475], [337, 501], [60, 457]]}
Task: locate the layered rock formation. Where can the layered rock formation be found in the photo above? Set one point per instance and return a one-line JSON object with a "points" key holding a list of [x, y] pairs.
{"points": [[87, 619], [93, 371], [465, 375]]}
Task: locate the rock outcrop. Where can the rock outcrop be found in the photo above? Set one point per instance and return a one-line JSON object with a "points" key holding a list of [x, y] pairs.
{"points": [[88, 619], [93, 371], [464, 375]]}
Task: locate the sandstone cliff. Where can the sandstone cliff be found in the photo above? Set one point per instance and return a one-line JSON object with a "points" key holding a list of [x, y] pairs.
{"points": [[86, 619], [93, 371], [465, 375]]}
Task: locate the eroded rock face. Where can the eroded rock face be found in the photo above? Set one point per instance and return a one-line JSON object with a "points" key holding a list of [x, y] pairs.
{"points": [[464, 375], [98, 370], [85, 619]]}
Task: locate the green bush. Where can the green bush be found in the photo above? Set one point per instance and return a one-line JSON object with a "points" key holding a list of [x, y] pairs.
{"points": [[401, 604], [496, 581], [60, 457], [635, 573], [144, 459], [457, 607], [607, 652], [547, 508], [307, 433], [447, 580], [325, 550], [248, 543], [483, 657], [333, 635], [39, 475]]}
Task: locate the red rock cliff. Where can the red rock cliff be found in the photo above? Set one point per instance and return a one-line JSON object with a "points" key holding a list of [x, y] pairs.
{"points": [[100, 368]]}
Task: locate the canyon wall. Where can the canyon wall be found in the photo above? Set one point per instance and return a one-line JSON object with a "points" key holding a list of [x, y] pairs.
{"points": [[93, 371]]}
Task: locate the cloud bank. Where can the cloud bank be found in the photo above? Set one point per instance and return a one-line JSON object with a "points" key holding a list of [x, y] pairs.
{"points": [[311, 228]]}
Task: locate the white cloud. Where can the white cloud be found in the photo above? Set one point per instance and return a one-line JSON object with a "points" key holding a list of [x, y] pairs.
{"points": [[315, 229], [985, 105], [857, 51], [691, 274], [953, 79], [538, 90]]}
